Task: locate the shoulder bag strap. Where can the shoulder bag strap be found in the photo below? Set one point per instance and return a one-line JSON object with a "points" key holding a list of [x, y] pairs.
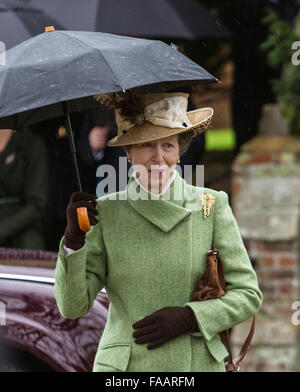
{"points": [[233, 364]]}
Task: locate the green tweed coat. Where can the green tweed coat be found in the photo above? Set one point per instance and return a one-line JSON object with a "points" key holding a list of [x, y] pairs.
{"points": [[148, 254]]}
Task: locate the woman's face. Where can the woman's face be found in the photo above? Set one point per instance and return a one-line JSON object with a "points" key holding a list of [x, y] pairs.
{"points": [[154, 162], [98, 137]]}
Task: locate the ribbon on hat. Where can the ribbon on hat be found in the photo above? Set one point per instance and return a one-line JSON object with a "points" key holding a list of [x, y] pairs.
{"points": [[167, 112]]}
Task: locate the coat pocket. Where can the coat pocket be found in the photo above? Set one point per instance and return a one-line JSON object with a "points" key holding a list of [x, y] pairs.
{"points": [[114, 355], [216, 348]]}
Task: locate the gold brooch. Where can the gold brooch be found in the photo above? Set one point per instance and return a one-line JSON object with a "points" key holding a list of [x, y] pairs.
{"points": [[207, 201]]}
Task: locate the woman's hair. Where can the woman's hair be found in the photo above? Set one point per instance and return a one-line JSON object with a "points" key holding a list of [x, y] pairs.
{"points": [[184, 141]]}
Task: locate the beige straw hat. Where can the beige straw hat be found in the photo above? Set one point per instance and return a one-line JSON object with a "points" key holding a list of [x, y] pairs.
{"points": [[156, 116]]}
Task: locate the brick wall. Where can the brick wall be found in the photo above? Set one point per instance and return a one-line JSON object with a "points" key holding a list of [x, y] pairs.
{"points": [[265, 201]]}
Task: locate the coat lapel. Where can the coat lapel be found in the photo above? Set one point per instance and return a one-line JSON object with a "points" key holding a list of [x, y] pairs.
{"points": [[165, 211]]}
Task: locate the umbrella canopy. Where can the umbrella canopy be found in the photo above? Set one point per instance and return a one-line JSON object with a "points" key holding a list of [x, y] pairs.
{"points": [[57, 67], [20, 21], [140, 18], [159, 18]]}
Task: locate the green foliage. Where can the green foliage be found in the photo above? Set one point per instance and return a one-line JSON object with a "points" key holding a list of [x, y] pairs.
{"points": [[278, 47], [278, 43]]}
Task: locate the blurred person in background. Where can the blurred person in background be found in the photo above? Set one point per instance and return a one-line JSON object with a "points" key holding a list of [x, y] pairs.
{"points": [[23, 189], [98, 126]]}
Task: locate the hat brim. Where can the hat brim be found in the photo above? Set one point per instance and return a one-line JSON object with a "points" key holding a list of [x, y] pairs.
{"points": [[199, 118]]}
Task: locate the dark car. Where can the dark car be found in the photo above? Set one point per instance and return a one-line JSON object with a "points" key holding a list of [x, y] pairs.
{"points": [[33, 334]]}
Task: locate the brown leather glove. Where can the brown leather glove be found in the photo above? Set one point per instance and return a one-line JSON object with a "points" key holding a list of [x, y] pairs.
{"points": [[164, 325], [74, 237]]}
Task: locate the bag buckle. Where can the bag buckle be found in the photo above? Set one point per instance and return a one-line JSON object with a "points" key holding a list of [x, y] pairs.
{"points": [[213, 252], [236, 366]]}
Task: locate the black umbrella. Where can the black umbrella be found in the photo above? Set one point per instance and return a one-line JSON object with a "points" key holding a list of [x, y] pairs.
{"points": [[58, 72], [72, 66], [159, 18], [185, 19], [20, 21]]}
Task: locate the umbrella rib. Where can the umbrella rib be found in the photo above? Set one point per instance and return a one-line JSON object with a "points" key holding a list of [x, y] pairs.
{"points": [[98, 51]]}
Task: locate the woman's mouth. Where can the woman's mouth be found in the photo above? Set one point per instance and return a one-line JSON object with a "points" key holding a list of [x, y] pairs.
{"points": [[156, 173]]}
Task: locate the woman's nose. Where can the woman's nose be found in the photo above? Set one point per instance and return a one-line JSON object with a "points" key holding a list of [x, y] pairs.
{"points": [[158, 155]]}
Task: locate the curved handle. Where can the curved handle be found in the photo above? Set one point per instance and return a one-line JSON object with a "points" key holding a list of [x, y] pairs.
{"points": [[83, 219]]}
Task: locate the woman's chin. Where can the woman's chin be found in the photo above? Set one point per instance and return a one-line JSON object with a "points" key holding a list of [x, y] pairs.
{"points": [[157, 179]]}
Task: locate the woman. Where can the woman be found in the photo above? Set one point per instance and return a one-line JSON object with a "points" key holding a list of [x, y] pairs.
{"points": [[23, 189], [148, 249]]}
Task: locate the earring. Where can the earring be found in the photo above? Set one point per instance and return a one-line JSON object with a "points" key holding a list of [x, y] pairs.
{"points": [[178, 160]]}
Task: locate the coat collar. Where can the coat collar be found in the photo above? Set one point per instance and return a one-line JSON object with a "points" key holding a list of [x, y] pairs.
{"points": [[164, 211]]}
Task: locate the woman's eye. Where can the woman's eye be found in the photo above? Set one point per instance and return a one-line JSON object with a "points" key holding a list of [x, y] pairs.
{"points": [[169, 145]]}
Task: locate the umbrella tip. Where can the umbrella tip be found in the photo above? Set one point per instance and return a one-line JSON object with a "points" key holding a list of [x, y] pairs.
{"points": [[49, 28]]}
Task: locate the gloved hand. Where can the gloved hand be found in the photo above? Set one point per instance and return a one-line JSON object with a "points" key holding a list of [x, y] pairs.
{"points": [[163, 325], [74, 237]]}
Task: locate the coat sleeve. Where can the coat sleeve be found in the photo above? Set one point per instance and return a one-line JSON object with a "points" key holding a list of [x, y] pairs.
{"points": [[81, 275], [243, 297]]}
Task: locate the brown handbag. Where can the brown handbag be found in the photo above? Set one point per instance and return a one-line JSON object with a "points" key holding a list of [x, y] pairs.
{"points": [[212, 285]]}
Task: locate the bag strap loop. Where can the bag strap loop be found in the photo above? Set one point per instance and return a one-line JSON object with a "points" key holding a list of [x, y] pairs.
{"points": [[212, 285]]}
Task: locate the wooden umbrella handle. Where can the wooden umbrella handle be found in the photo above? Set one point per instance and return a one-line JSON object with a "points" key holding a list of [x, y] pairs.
{"points": [[83, 219]]}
